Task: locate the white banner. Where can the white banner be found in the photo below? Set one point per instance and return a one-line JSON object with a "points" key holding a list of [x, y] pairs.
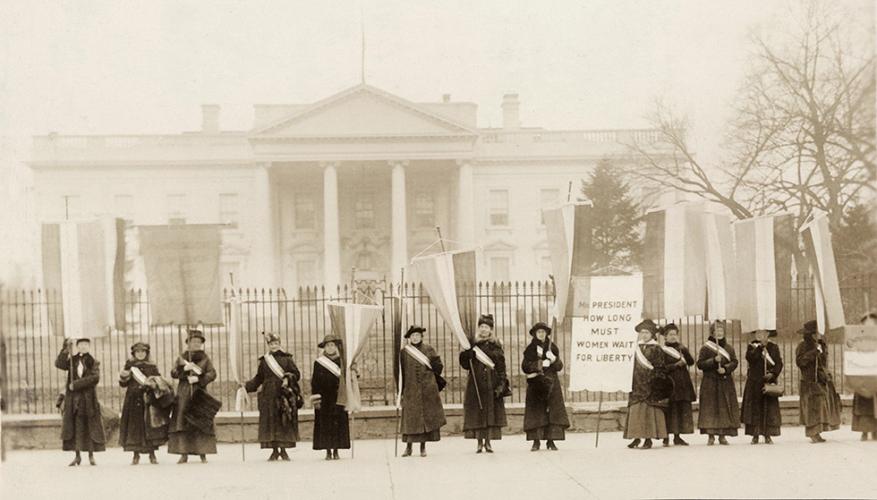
{"points": [[603, 340]]}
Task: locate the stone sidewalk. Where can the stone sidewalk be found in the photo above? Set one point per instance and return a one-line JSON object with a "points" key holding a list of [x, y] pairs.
{"points": [[791, 468]]}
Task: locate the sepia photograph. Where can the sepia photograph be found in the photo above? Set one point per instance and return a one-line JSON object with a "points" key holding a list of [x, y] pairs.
{"points": [[386, 249]]}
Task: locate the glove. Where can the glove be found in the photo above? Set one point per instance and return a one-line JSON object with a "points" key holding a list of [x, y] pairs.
{"points": [[546, 363]]}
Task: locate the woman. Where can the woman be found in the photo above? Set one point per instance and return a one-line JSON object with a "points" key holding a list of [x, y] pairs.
{"points": [[863, 407], [278, 377], [820, 403], [192, 429], [81, 426], [487, 384], [678, 359], [331, 428], [719, 411], [545, 413], [761, 413], [645, 406], [137, 433], [422, 413]]}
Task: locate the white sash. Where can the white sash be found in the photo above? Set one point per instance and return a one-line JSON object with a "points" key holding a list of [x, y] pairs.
{"points": [[672, 352], [642, 359], [274, 365], [418, 356], [768, 358], [717, 348], [484, 358], [329, 365], [196, 369], [138, 375]]}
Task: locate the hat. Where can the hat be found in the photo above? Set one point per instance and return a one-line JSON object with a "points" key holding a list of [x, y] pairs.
{"points": [[648, 325], [668, 327], [83, 340], [414, 329], [486, 319], [870, 315], [330, 338], [271, 337], [716, 322], [140, 346], [540, 326], [193, 333], [810, 328]]}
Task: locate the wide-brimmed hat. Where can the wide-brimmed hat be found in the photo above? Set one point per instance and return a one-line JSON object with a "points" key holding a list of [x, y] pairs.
{"points": [[414, 329], [486, 319], [193, 334], [330, 338], [540, 326], [83, 339], [648, 325], [809, 328], [271, 337], [140, 346]]}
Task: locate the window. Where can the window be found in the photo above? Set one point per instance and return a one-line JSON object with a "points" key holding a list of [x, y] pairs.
{"points": [[548, 199], [499, 207], [71, 207], [306, 272], [365, 211], [305, 212], [228, 209], [499, 268], [424, 209], [176, 209]]}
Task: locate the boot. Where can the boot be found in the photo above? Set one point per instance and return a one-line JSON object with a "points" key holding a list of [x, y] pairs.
{"points": [[203, 459], [274, 455], [550, 445], [768, 440], [183, 458], [407, 452], [711, 441], [864, 436], [76, 460], [335, 454], [152, 459], [722, 440], [487, 447], [423, 449], [91, 458], [480, 446], [647, 444], [634, 444], [817, 439], [666, 442], [136, 459], [535, 446], [755, 439], [679, 441], [328, 454], [283, 455]]}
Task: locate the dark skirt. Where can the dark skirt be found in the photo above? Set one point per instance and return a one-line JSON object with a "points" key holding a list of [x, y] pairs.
{"points": [[680, 418], [81, 435], [268, 445], [431, 436], [552, 432], [645, 421], [820, 412], [191, 442], [331, 430], [863, 414], [491, 433]]}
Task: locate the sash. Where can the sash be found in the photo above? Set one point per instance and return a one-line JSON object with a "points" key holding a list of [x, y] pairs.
{"points": [[642, 359], [672, 352], [768, 358], [329, 365], [138, 375], [275, 366], [418, 356], [197, 369], [717, 348], [484, 358]]}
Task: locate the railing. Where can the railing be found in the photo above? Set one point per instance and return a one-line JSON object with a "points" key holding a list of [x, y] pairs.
{"points": [[32, 382]]}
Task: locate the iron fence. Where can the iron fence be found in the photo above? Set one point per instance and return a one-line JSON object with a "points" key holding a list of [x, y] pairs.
{"points": [[32, 382]]}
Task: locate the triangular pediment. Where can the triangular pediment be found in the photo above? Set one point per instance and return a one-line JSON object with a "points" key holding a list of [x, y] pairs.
{"points": [[363, 111]]}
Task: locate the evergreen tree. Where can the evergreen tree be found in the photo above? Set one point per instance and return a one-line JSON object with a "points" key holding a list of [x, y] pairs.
{"points": [[616, 216]]}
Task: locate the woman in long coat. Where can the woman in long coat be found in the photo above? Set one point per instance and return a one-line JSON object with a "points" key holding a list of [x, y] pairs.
{"points": [[81, 427], [680, 418], [545, 412], [863, 407], [331, 428], [194, 371], [278, 377], [820, 403], [761, 413], [136, 434], [422, 413], [484, 413], [719, 410], [646, 402]]}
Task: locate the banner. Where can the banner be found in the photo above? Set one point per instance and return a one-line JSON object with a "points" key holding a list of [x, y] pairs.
{"points": [[603, 340], [182, 273], [352, 323], [719, 244], [570, 243], [235, 351], [860, 359], [826, 287], [85, 261], [449, 279]]}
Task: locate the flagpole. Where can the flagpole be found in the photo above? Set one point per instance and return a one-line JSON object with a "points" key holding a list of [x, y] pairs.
{"points": [[347, 374], [599, 414], [240, 364], [399, 365]]}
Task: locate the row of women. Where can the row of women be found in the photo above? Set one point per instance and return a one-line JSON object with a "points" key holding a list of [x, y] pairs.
{"points": [[660, 403], [154, 414]]}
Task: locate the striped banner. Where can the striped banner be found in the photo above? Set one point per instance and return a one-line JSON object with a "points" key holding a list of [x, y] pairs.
{"points": [[86, 262], [235, 350], [449, 279], [403, 315], [820, 254], [352, 323], [719, 266], [763, 267], [570, 244], [674, 263]]}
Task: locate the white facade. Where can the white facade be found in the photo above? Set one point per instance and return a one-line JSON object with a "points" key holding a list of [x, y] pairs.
{"points": [[358, 180]]}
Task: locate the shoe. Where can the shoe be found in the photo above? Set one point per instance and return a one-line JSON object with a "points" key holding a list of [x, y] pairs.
{"points": [[487, 447], [136, 459], [422, 450], [864, 437], [328, 454], [550, 445], [152, 459], [283, 455], [76, 461], [407, 452], [666, 442], [91, 459], [634, 444], [203, 459], [768, 440], [335, 455], [711, 441], [723, 441], [274, 456], [817, 439], [647, 444], [480, 446], [183, 459], [679, 441], [754, 440], [535, 446]]}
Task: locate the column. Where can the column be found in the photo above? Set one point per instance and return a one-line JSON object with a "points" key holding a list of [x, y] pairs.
{"points": [[261, 259], [331, 235], [465, 203], [399, 220]]}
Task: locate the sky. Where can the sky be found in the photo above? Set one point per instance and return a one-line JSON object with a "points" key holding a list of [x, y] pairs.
{"points": [[123, 67]]}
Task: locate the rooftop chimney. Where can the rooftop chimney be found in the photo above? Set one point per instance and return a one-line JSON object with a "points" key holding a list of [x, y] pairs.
{"points": [[210, 118], [511, 118]]}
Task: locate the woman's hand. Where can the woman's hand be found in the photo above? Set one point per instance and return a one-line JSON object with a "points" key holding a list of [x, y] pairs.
{"points": [[721, 370], [125, 373], [193, 379]]}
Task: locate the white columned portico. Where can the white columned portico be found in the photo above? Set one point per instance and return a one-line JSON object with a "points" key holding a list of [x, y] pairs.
{"points": [[331, 234], [261, 264], [399, 220], [465, 203]]}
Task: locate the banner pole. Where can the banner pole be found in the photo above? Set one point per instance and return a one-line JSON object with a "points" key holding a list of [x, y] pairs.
{"points": [[399, 367], [599, 414]]}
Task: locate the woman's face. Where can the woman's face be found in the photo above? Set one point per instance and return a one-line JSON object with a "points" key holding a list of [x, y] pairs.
{"points": [[645, 335], [274, 345], [196, 344], [672, 337], [541, 335], [139, 354], [719, 332], [415, 338], [330, 349], [484, 332], [761, 335], [83, 347]]}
